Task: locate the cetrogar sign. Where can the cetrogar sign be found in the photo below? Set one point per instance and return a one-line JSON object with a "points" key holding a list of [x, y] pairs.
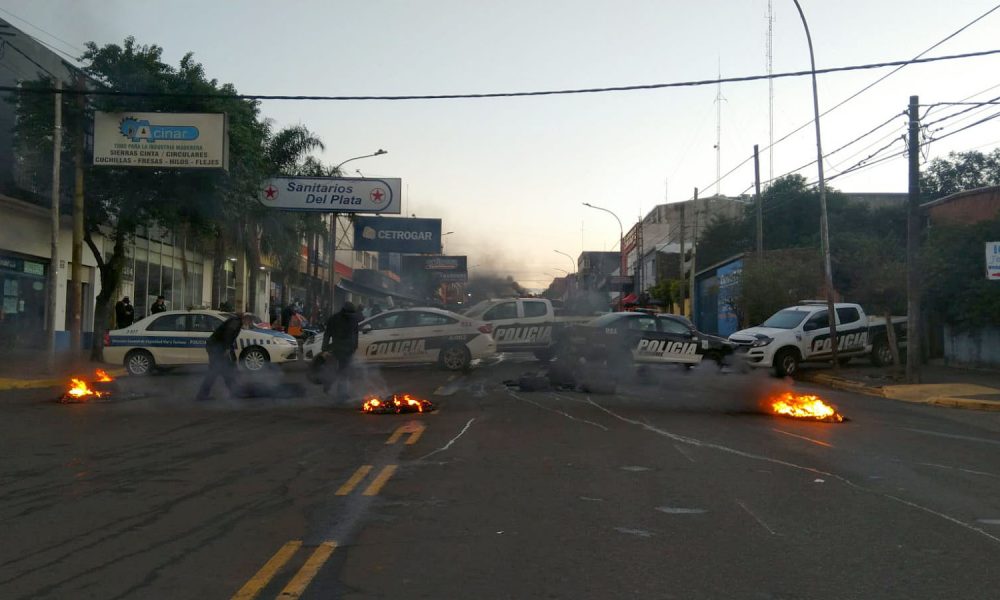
{"points": [[161, 140], [333, 194], [406, 236]]}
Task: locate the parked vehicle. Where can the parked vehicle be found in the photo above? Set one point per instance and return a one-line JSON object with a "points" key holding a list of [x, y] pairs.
{"points": [[801, 333], [524, 324], [418, 335], [177, 337]]}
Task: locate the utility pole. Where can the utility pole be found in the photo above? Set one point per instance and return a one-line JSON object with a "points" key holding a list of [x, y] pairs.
{"points": [[76, 272], [760, 211], [913, 350], [333, 262], [680, 276], [54, 261], [694, 250]]}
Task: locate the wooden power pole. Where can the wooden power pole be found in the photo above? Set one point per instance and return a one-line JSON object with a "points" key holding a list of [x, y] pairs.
{"points": [[913, 351]]}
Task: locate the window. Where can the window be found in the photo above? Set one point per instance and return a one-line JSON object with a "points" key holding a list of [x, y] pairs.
{"points": [[820, 320], [426, 319], [785, 319], [534, 308], [643, 323], [672, 326], [507, 310], [169, 323], [202, 323], [389, 321], [848, 314]]}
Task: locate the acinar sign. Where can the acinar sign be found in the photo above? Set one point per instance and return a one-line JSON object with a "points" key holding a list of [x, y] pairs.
{"points": [[161, 140], [993, 261], [333, 194]]}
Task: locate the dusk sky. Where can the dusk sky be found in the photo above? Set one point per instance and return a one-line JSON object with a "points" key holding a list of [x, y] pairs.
{"points": [[508, 175]]}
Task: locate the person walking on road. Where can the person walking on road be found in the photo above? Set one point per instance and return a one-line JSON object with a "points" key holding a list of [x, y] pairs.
{"points": [[340, 339], [158, 306], [221, 356], [124, 313]]}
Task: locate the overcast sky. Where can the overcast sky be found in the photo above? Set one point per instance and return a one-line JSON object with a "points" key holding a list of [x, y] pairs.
{"points": [[508, 176]]}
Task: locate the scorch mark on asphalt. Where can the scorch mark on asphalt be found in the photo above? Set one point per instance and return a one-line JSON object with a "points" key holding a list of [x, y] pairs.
{"points": [[701, 444]]}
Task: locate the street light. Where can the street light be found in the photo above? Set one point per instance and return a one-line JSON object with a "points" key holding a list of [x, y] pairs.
{"points": [[442, 240], [824, 228], [567, 256], [621, 244], [333, 231]]}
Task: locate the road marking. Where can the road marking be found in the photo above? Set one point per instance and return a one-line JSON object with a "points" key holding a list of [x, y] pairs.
{"points": [[305, 575], [636, 532], [684, 453], [414, 428], [451, 441], [953, 436], [989, 521], [802, 437], [558, 412], [379, 481], [634, 468], [756, 518], [355, 479], [670, 510], [264, 575]]}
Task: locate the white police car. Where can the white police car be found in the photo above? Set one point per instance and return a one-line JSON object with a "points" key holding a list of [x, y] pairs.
{"points": [[177, 337], [419, 335]]}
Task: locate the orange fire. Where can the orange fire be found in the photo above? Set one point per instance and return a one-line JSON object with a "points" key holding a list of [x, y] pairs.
{"points": [[397, 403], [408, 402], [372, 404], [103, 376], [805, 407], [79, 390]]}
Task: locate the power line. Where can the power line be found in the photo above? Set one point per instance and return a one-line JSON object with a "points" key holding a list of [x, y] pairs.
{"points": [[466, 96], [963, 111], [51, 35]]}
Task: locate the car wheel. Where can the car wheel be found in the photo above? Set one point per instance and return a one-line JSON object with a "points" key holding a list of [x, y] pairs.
{"points": [[455, 357], [786, 362], [881, 353], [139, 363], [254, 358]]}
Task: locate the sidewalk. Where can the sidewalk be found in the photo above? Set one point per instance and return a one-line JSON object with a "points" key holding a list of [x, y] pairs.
{"points": [[940, 385], [29, 369]]}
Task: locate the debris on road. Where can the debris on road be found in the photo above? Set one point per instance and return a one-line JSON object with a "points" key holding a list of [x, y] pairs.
{"points": [[807, 407], [396, 404], [80, 390]]}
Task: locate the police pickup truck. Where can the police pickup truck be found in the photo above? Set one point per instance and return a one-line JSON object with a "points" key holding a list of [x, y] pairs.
{"points": [[524, 324], [624, 339], [801, 333]]}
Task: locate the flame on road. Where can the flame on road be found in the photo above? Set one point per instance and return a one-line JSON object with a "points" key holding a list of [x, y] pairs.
{"points": [[102, 375], [805, 407], [79, 390], [396, 403]]}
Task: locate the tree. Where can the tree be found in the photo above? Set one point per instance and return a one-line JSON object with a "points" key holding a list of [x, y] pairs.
{"points": [[954, 274], [783, 278], [960, 171]]}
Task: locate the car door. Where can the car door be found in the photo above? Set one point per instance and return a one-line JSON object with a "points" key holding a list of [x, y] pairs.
{"points": [[432, 332], [643, 338], [534, 324], [852, 330], [681, 343], [504, 318], [379, 340], [816, 335], [199, 327], [166, 337]]}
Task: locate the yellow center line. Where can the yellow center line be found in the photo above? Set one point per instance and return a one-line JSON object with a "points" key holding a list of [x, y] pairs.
{"points": [[379, 481], [415, 436], [264, 575], [305, 575], [355, 479]]}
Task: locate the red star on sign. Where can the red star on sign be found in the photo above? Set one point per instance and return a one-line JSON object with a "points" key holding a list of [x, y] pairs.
{"points": [[377, 195], [270, 192]]}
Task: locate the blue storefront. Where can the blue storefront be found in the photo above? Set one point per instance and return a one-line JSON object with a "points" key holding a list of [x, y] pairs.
{"points": [[716, 292]]}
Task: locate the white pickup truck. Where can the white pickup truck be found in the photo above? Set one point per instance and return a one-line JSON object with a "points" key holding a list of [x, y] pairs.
{"points": [[524, 324], [801, 333]]}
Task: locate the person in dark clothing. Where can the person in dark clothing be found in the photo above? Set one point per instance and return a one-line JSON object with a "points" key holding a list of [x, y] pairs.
{"points": [[340, 340], [124, 313], [221, 356], [286, 315], [158, 306]]}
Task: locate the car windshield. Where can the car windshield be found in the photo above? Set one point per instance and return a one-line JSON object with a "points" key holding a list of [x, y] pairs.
{"points": [[786, 319], [478, 309]]}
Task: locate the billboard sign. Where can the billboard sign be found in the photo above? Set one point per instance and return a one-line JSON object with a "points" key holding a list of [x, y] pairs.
{"points": [[161, 140], [442, 269], [408, 236], [993, 261], [333, 194]]}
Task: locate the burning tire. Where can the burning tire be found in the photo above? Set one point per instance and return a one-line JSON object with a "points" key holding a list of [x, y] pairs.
{"points": [[139, 363], [254, 358], [786, 362], [456, 357]]}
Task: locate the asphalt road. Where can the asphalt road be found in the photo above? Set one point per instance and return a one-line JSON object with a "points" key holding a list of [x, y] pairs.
{"points": [[677, 488]]}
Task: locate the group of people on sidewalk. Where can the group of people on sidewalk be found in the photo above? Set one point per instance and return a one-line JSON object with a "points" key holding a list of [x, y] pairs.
{"points": [[340, 341]]}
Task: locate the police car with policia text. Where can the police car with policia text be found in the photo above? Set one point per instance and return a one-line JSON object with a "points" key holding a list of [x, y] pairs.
{"points": [[177, 337], [418, 335], [633, 338]]}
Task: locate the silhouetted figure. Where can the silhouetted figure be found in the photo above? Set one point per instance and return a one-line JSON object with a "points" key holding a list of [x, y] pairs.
{"points": [[221, 356], [340, 340], [158, 306], [124, 313]]}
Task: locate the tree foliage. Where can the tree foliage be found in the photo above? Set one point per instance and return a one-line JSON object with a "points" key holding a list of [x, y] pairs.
{"points": [[954, 272], [958, 172]]}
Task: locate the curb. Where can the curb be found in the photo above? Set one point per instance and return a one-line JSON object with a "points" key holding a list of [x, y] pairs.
{"points": [[860, 388], [13, 383]]}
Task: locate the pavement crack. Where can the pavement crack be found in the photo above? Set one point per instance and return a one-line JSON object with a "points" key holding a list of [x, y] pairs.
{"points": [[558, 412], [451, 441]]}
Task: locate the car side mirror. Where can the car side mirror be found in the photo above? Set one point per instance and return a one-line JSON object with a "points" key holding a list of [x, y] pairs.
{"points": [[366, 328]]}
